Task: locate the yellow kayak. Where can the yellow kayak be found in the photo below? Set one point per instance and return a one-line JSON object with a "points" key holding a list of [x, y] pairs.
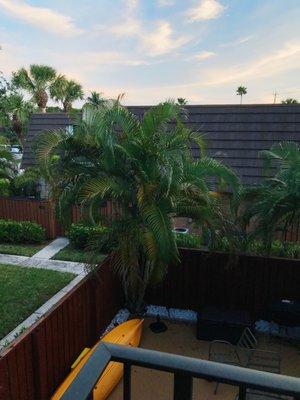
{"points": [[127, 333]]}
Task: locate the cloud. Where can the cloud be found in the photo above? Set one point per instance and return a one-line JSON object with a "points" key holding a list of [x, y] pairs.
{"points": [[205, 10], [204, 55], [165, 3], [161, 40], [286, 58], [41, 17], [237, 41], [128, 27], [95, 59]]}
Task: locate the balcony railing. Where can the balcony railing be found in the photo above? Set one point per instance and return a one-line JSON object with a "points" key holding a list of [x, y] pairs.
{"points": [[184, 370]]}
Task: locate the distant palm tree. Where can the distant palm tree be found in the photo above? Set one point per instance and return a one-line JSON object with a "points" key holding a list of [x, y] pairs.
{"points": [[66, 91], [96, 99], [289, 101], [181, 101], [17, 112], [36, 81], [241, 91]]}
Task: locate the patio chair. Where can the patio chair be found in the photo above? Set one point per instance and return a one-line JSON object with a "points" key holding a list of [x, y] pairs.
{"points": [[244, 354], [258, 395]]}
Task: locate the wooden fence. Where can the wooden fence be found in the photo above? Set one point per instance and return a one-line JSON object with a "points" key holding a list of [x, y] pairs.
{"points": [[40, 359], [204, 279], [24, 209]]}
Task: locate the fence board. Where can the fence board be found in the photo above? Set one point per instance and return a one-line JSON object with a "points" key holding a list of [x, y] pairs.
{"points": [[40, 359]]}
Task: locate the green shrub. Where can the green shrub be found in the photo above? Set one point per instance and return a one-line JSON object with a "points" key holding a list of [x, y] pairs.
{"points": [[92, 236], [4, 187], [188, 240], [25, 184], [21, 232]]}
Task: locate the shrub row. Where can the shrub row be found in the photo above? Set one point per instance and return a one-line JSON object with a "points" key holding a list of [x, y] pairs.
{"points": [[21, 232], [90, 236]]}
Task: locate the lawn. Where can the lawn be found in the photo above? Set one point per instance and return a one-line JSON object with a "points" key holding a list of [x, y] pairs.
{"points": [[23, 290], [69, 253], [27, 250]]}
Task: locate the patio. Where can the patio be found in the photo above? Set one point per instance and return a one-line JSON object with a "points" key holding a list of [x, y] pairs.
{"points": [[181, 339]]}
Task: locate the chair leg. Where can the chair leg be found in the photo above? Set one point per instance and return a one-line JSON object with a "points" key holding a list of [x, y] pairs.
{"points": [[216, 388]]}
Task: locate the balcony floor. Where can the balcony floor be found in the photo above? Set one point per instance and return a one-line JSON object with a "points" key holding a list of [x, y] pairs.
{"points": [[181, 339]]}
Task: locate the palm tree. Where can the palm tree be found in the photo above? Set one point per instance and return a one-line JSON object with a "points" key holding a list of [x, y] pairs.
{"points": [[289, 101], [96, 99], [147, 170], [17, 111], [36, 81], [275, 204], [241, 91], [66, 91], [181, 101]]}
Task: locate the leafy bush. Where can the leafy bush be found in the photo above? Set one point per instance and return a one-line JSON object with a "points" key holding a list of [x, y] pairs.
{"points": [[92, 236], [188, 240], [25, 184], [4, 187], [21, 232]]}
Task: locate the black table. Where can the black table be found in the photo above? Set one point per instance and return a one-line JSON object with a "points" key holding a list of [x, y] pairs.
{"points": [[285, 312], [218, 324]]}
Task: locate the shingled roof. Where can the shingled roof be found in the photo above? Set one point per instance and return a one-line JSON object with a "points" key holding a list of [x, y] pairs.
{"points": [[38, 123], [235, 134]]}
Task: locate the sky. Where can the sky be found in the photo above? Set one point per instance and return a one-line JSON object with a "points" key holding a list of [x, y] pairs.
{"points": [[153, 50]]}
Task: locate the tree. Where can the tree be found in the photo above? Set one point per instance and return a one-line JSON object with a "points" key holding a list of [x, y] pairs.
{"points": [[181, 101], [36, 81], [275, 204], [146, 169], [17, 111], [8, 167], [66, 91], [241, 91], [289, 101], [96, 99]]}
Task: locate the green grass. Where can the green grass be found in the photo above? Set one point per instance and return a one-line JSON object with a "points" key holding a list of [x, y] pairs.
{"points": [[23, 290], [27, 250], [69, 253]]}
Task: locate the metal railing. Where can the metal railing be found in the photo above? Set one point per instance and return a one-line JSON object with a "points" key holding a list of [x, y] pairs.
{"points": [[184, 370]]}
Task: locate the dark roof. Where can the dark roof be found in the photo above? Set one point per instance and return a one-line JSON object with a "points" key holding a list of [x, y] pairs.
{"points": [[38, 123], [234, 133]]}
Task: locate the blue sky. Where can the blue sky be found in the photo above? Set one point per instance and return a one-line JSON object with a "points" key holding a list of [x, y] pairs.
{"points": [[157, 49]]}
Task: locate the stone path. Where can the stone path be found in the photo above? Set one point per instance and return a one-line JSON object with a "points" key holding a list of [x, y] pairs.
{"points": [[42, 259]]}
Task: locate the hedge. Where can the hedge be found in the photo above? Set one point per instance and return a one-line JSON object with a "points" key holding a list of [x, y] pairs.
{"points": [[21, 232]]}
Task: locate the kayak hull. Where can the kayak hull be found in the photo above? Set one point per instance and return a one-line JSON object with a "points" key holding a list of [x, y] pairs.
{"points": [[128, 333]]}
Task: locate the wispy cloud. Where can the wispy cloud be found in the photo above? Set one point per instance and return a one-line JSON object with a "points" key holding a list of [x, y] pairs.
{"points": [[111, 58], [284, 59], [204, 55], [238, 41], [205, 10], [162, 39], [41, 17], [165, 3]]}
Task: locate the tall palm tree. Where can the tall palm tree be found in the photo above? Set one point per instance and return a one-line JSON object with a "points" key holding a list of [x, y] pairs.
{"points": [[275, 204], [241, 91], [146, 168], [96, 99], [181, 101], [36, 81], [66, 91], [17, 111]]}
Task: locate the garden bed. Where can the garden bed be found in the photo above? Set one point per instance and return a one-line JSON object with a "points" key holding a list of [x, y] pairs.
{"points": [[23, 290], [70, 253], [26, 250]]}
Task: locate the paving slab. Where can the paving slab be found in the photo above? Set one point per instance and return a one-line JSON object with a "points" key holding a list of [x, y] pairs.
{"points": [[52, 248]]}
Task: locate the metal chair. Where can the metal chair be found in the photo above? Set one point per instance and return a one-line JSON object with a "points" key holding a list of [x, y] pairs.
{"points": [[244, 354], [258, 395]]}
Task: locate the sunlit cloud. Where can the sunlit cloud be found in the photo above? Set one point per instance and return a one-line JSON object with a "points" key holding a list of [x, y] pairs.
{"points": [[238, 41], [205, 10], [41, 17], [204, 55]]}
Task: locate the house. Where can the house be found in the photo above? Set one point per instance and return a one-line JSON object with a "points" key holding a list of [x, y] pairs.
{"points": [[234, 134]]}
